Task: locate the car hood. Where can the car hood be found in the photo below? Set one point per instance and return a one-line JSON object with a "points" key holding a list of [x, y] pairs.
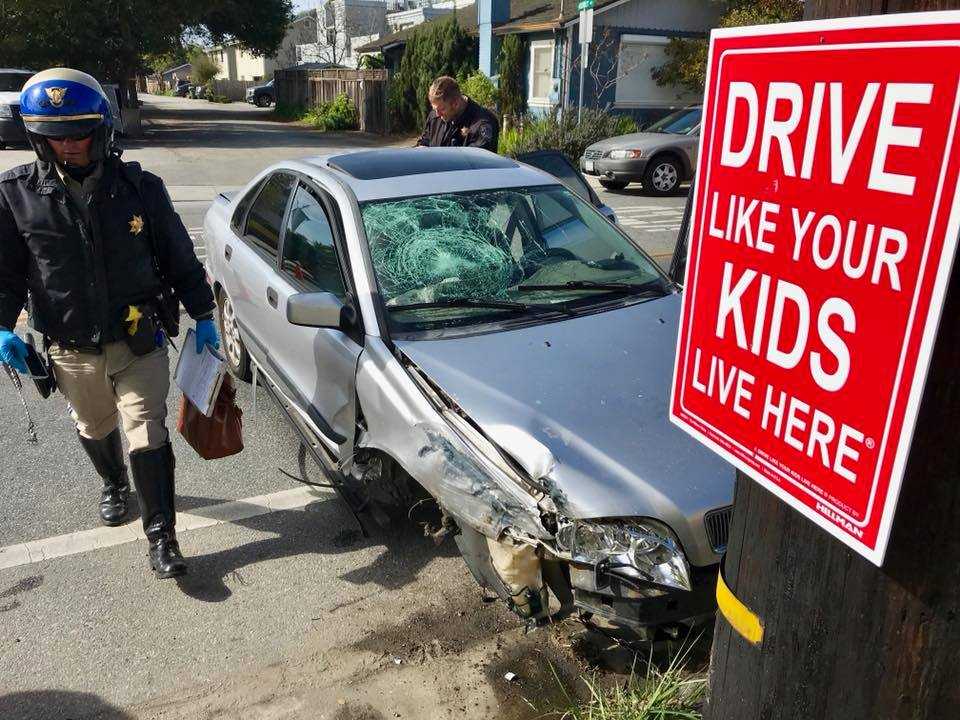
{"points": [[636, 141], [594, 391]]}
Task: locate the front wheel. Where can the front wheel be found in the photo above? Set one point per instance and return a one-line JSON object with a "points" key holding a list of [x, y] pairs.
{"points": [[263, 101], [238, 360], [613, 184], [662, 176]]}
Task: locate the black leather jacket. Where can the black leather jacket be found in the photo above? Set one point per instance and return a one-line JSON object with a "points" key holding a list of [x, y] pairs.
{"points": [[474, 127], [79, 276]]}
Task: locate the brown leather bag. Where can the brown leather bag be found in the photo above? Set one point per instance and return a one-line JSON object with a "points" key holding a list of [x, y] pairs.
{"points": [[218, 436]]}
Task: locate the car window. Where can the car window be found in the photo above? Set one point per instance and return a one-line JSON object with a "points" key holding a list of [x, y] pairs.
{"points": [[558, 166], [12, 82], [236, 222], [266, 213], [309, 252], [682, 122]]}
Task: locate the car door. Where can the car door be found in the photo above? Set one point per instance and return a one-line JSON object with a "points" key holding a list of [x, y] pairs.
{"points": [[253, 260], [317, 364]]}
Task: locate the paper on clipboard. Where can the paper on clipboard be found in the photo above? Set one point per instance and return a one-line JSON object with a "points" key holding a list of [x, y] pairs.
{"points": [[200, 376]]}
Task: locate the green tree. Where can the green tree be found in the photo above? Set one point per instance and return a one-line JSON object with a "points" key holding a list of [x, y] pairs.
{"points": [[479, 88], [437, 48], [686, 64], [114, 39], [374, 61], [205, 68], [513, 99]]}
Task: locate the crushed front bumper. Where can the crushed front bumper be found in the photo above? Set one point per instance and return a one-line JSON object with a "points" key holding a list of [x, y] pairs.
{"points": [[622, 605]]}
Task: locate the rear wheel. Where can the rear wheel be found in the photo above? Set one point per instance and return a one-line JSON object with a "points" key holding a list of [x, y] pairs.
{"points": [[238, 360], [662, 176], [613, 184]]}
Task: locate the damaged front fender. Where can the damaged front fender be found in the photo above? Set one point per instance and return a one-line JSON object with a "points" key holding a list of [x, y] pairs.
{"points": [[402, 422]]}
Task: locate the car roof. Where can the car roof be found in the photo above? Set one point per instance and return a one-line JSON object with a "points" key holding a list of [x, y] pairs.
{"points": [[405, 172]]}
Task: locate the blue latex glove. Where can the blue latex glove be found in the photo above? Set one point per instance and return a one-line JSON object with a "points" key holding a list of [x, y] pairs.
{"points": [[13, 351], [207, 335]]}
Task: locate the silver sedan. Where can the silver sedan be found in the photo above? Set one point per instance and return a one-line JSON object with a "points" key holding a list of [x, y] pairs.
{"points": [[448, 328], [661, 158]]}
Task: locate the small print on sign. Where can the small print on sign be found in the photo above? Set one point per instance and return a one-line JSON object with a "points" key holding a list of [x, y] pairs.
{"points": [[824, 227]]}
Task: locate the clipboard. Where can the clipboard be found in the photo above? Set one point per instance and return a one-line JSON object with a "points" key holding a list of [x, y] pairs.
{"points": [[200, 375]]}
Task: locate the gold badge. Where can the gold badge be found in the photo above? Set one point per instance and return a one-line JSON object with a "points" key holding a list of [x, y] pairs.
{"points": [[136, 224], [56, 95]]}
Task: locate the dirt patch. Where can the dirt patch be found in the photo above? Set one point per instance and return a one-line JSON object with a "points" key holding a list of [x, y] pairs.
{"points": [[357, 711], [534, 679], [446, 629]]}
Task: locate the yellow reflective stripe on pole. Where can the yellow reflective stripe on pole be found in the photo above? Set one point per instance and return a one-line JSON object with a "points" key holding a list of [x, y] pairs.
{"points": [[741, 618]]}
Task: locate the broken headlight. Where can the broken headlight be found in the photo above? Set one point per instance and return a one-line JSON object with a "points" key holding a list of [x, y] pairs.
{"points": [[642, 550]]}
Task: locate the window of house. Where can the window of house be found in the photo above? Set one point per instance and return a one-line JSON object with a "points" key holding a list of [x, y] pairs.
{"points": [[638, 55], [266, 215], [541, 72], [309, 252]]}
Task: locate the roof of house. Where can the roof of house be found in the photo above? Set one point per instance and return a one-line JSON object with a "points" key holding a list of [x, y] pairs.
{"points": [[466, 16], [525, 16]]}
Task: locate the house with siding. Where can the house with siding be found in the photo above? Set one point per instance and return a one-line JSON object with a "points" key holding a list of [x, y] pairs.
{"points": [[630, 37]]}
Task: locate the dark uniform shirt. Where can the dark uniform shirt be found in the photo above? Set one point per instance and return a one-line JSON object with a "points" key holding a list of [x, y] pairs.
{"points": [[81, 267], [474, 127]]}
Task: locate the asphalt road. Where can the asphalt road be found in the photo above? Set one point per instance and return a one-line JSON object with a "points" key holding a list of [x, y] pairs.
{"points": [[286, 613]]}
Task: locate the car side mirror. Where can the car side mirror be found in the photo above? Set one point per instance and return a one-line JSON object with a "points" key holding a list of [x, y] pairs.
{"points": [[319, 310]]}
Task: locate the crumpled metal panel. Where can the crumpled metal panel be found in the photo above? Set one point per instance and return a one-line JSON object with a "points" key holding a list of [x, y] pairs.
{"points": [[403, 423]]}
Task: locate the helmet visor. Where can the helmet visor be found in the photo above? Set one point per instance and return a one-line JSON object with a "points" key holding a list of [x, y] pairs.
{"points": [[76, 126]]}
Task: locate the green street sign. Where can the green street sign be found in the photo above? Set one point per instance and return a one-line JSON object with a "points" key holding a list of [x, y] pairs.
{"points": [[585, 5]]}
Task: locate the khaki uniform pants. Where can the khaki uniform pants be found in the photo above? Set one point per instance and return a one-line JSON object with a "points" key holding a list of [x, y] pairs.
{"points": [[99, 387]]}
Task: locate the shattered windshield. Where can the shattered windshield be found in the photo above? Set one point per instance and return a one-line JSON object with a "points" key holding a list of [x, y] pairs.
{"points": [[461, 258]]}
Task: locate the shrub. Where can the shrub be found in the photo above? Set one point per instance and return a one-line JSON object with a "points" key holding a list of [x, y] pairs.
{"points": [[513, 99], [560, 130], [479, 88], [204, 69], [435, 49], [339, 114]]}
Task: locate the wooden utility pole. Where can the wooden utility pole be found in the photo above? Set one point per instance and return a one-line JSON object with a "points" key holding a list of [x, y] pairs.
{"points": [[843, 639]]}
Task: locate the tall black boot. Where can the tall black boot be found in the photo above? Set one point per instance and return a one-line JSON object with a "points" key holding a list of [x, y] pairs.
{"points": [[107, 457], [153, 472]]}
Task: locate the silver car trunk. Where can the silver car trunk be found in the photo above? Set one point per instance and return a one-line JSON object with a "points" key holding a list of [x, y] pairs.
{"points": [[595, 391]]}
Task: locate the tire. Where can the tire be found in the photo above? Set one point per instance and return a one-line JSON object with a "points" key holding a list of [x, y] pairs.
{"points": [[238, 359], [662, 176], [613, 184], [264, 101]]}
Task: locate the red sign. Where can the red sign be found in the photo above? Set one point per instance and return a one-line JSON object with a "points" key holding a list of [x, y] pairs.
{"points": [[823, 231]]}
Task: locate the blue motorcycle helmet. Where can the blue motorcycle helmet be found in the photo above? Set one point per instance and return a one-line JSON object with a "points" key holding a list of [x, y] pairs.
{"points": [[61, 102]]}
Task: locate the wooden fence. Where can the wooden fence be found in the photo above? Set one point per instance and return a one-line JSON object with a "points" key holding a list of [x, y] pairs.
{"points": [[233, 89], [367, 90]]}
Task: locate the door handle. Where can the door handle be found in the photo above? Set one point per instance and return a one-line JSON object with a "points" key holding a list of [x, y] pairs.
{"points": [[272, 296], [227, 251]]}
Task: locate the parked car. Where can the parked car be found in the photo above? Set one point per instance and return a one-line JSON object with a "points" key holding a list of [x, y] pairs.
{"points": [[197, 92], [262, 95], [11, 83], [182, 89], [661, 158], [455, 325]]}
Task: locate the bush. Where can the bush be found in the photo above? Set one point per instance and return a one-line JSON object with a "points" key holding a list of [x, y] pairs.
{"points": [[479, 88], [204, 69], [434, 49], [513, 99], [339, 114], [560, 130]]}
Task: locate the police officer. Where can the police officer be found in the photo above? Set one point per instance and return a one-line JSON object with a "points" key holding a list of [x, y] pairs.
{"points": [[95, 245], [456, 120]]}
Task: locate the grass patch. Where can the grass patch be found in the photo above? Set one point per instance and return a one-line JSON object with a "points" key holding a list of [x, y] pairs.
{"points": [[670, 693]]}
